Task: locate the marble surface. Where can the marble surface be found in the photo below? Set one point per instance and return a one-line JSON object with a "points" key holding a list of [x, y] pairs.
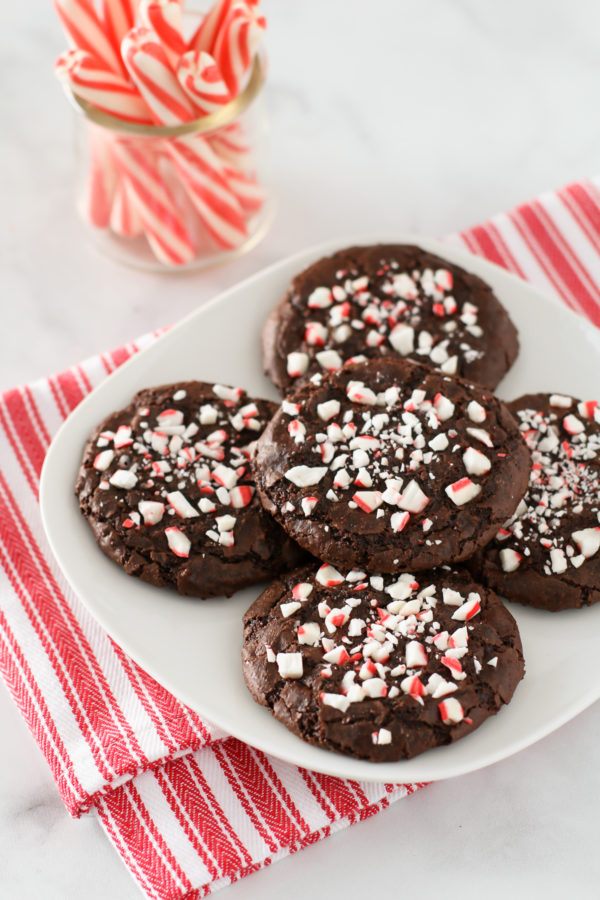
{"points": [[408, 116]]}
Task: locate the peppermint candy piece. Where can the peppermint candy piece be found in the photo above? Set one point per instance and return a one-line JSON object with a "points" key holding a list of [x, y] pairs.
{"points": [[320, 298], [463, 491], [309, 633], [181, 505], [328, 576], [510, 560], [241, 496], [178, 542], [416, 655], [306, 476], [297, 364], [381, 737], [476, 412], [288, 609], [152, 511], [103, 460], [329, 360], [302, 590], [124, 479], [328, 410], [289, 665], [358, 393], [402, 339], [451, 712], [476, 462], [368, 501], [413, 499], [338, 701], [588, 541]]}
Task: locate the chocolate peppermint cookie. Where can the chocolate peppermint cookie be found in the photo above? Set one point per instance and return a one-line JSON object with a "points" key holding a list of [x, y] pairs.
{"points": [[166, 487], [380, 668], [388, 465], [548, 554], [366, 302]]}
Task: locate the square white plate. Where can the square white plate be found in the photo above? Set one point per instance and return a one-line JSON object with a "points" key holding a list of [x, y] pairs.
{"points": [[193, 647]]}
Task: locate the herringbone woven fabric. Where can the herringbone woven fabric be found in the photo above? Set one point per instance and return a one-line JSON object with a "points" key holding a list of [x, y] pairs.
{"points": [[187, 808]]}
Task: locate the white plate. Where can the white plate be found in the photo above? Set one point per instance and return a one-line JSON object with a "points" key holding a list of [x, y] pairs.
{"points": [[174, 638]]}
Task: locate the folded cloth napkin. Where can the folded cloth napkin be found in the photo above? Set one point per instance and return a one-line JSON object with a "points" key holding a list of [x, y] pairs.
{"points": [[187, 808]]}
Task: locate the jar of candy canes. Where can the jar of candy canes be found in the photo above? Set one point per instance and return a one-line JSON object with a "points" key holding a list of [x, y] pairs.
{"points": [[172, 156]]}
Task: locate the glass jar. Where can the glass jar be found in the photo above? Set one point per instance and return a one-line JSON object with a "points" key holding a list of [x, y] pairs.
{"points": [[176, 198]]}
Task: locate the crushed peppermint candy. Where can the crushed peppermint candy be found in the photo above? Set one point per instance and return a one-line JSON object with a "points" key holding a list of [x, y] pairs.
{"points": [[411, 643], [187, 463], [556, 527]]}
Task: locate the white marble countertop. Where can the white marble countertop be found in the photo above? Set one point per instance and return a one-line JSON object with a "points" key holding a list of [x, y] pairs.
{"points": [[422, 117]]}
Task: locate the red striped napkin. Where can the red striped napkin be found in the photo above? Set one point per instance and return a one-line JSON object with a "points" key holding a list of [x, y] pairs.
{"points": [[187, 808]]}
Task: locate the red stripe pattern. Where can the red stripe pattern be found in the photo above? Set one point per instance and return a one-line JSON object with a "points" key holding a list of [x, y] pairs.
{"points": [[187, 808]]}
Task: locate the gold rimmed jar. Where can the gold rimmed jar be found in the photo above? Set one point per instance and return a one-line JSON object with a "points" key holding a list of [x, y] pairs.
{"points": [[178, 197]]}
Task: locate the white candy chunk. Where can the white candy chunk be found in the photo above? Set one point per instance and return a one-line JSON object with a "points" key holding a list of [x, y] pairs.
{"points": [[510, 560], [178, 542], [297, 364], [398, 521], [328, 410], [560, 400], [368, 501], [400, 590], [375, 687], [270, 654], [416, 655], [103, 460], [290, 665], [241, 496], [320, 298], [383, 736], [588, 541], [124, 479], [451, 597], [181, 505], [573, 425], [306, 476], [476, 412], [152, 511], [329, 359], [302, 590], [413, 500], [227, 539], [358, 393], [225, 523], [480, 434], [476, 462], [363, 478], [451, 712], [558, 560], [225, 476], [588, 409], [308, 504], [439, 442], [309, 633], [463, 491], [328, 576], [402, 339], [288, 609], [443, 407], [356, 627], [460, 637], [493, 661], [225, 392], [169, 417], [290, 409], [338, 701], [208, 414], [468, 609]]}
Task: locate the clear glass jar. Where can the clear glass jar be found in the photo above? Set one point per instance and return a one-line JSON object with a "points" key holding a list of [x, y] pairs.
{"points": [[176, 198]]}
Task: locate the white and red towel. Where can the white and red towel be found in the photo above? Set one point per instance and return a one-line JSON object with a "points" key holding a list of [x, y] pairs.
{"points": [[187, 808]]}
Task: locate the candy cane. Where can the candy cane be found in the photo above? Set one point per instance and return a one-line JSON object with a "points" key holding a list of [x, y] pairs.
{"points": [[85, 31], [118, 17], [205, 35], [236, 43], [209, 191], [249, 193], [164, 18], [96, 201], [89, 79], [124, 217], [162, 222], [200, 78], [149, 68]]}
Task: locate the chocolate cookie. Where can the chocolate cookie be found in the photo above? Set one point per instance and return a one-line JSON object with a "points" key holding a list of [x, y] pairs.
{"points": [[380, 668], [386, 464], [166, 487], [367, 302], [548, 554]]}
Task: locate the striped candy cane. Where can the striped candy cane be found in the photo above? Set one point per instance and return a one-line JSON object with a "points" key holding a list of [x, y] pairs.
{"points": [[236, 43], [200, 78], [118, 17], [149, 68], [124, 217], [101, 182], [164, 18], [205, 35], [209, 191], [162, 222], [89, 79], [85, 31]]}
